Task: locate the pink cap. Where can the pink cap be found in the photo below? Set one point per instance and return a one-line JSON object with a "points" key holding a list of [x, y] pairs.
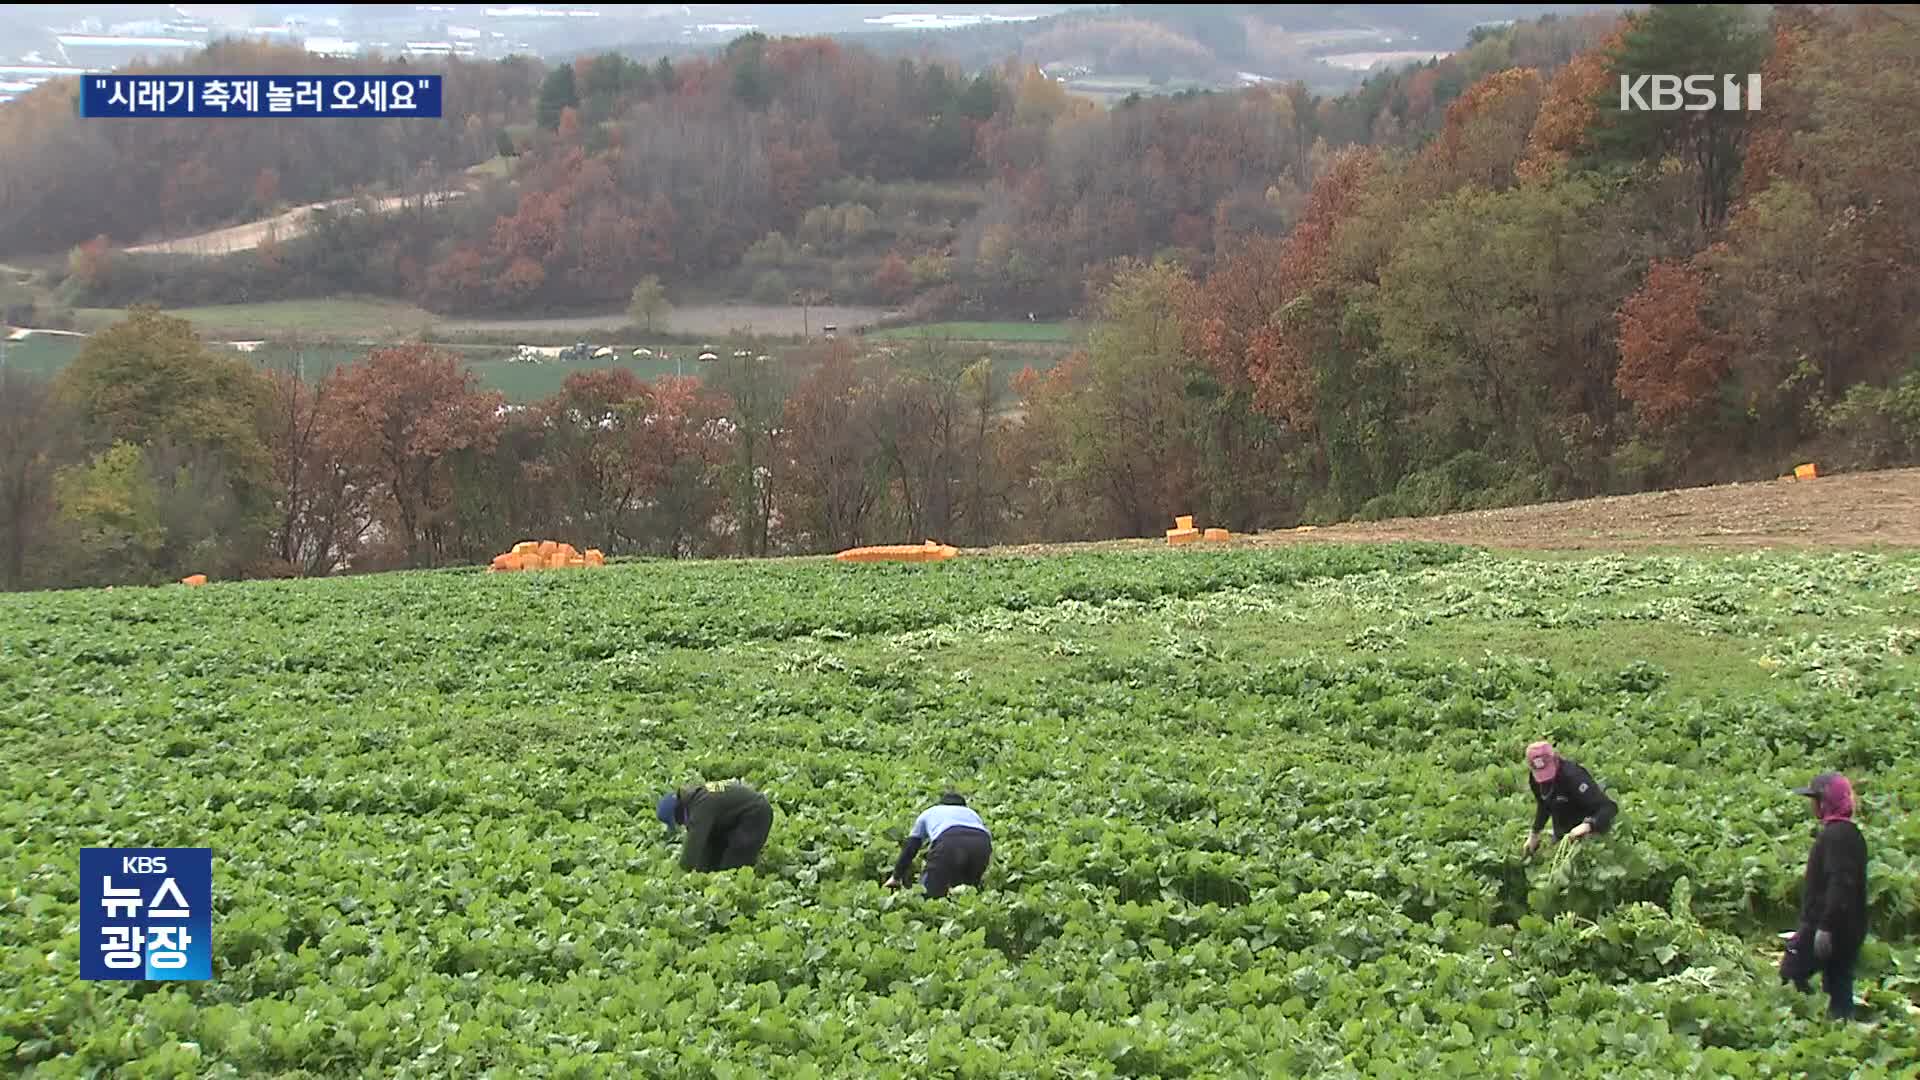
{"points": [[1544, 761]]}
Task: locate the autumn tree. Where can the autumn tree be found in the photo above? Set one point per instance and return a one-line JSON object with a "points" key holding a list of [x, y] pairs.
{"points": [[1127, 434], [1682, 39], [893, 282], [112, 508], [601, 454], [148, 382], [1234, 322], [1569, 110], [1671, 361], [1494, 342], [1486, 130], [89, 264], [699, 441], [33, 440], [756, 385], [325, 499], [837, 475], [925, 424], [402, 411], [557, 94], [648, 302]]}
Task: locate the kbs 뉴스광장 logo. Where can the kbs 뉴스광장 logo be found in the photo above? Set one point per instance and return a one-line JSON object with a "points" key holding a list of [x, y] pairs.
{"points": [[146, 913]]}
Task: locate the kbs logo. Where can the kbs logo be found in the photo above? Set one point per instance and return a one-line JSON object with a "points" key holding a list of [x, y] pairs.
{"points": [[146, 913], [1662, 93]]}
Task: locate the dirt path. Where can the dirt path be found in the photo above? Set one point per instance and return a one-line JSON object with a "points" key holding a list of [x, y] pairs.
{"points": [[1857, 510], [251, 235], [714, 319]]}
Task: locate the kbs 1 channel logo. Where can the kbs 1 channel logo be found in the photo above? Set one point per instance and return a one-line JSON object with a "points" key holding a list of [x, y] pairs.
{"points": [[146, 913], [1692, 93]]}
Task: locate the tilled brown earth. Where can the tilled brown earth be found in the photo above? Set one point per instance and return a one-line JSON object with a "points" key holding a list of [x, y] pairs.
{"points": [[1857, 510]]}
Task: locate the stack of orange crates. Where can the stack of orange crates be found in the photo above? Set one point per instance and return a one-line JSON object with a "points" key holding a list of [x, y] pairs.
{"points": [[545, 555], [927, 552], [1183, 532]]}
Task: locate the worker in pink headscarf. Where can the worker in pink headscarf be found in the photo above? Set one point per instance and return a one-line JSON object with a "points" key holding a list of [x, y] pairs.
{"points": [[1833, 906], [1566, 793]]}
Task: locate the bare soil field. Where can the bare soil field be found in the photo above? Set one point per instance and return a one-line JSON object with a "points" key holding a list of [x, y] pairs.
{"points": [[1855, 510], [714, 319]]}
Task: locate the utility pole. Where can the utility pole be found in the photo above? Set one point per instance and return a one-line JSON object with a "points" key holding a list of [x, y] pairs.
{"points": [[806, 298]]}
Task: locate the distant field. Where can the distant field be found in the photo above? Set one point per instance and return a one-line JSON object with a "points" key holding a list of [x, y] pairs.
{"points": [[344, 331], [521, 383], [1109, 89], [39, 355], [328, 318], [985, 331], [717, 320], [47, 355], [338, 319]]}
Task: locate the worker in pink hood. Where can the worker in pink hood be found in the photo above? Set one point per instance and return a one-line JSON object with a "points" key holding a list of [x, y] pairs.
{"points": [[1833, 903], [1566, 793]]}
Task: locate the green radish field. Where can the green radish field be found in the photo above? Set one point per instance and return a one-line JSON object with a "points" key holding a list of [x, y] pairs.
{"points": [[1257, 813]]}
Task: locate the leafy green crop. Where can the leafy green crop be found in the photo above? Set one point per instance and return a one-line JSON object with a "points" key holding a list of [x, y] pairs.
{"points": [[1256, 814]]}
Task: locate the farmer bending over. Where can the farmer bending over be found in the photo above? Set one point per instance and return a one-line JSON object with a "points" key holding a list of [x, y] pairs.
{"points": [[727, 824], [1568, 794], [961, 847]]}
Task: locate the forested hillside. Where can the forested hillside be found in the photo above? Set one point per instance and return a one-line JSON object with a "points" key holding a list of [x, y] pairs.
{"points": [[778, 164], [66, 180], [1506, 291]]}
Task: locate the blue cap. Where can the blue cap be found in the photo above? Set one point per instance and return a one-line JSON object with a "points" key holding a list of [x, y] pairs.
{"points": [[668, 809]]}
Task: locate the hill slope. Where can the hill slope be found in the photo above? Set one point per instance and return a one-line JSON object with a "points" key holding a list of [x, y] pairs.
{"points": [[1856, 510]]}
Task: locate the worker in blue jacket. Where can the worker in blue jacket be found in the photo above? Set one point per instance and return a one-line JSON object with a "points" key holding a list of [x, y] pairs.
{"points": [[961, 847]]}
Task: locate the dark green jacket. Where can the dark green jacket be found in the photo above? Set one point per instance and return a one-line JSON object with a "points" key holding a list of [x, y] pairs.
{"points": [[711, 809]]}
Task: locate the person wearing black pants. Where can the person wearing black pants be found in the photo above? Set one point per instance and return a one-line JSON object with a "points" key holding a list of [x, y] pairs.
{"points": [[1833, 905], [961, 850], [727, 824]]}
